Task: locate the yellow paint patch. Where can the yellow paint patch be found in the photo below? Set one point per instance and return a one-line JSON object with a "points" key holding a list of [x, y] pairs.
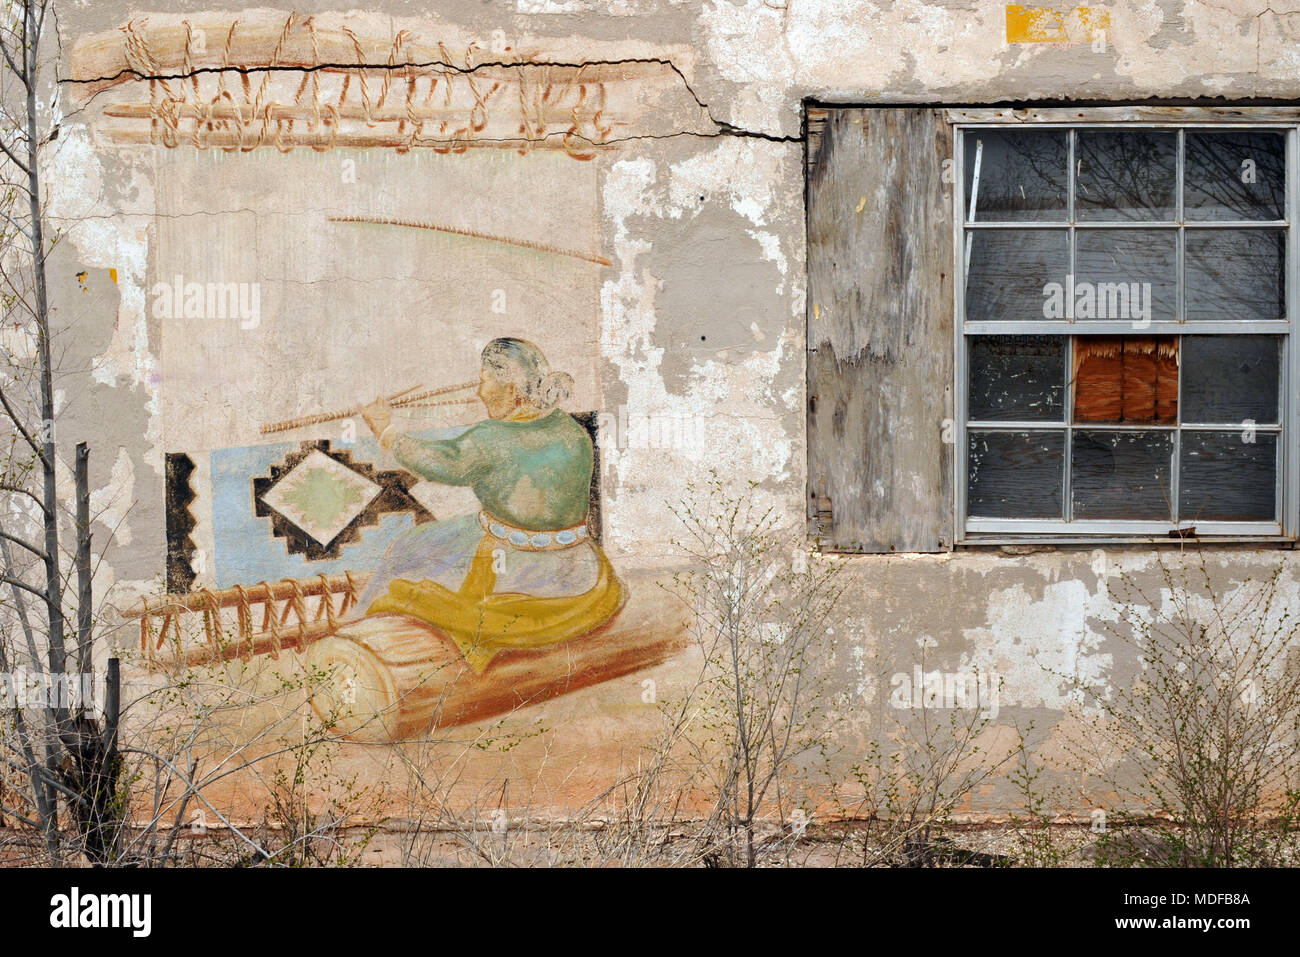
{"points": [[861, 203], [112, 274], [817, 311], [1034, 25], [1093, 22], [1043, 25]]}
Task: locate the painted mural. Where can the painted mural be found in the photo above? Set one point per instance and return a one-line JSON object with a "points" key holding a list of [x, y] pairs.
{"points": [[407, 503], [422, 610]]}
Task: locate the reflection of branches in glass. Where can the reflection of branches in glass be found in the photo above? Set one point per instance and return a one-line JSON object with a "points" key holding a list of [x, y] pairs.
{"points": [[1008, 269], [1215, 175], [1130, 256], [1126, 175], [1235, 274], [1121, 475], [1023, 174], [1130, 175]]}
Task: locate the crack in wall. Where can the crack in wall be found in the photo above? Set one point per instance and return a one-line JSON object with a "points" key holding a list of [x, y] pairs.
{"points": [[723, 128]]}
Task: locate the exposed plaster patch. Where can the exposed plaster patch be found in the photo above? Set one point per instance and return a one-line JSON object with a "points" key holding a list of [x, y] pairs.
{"points": [[1217, 47], [748, 45], [1028, 641], [864, 682], [846, 48], [110, 503], [18, 342], [859, 49], [771, 244], [111, 233], [728, 400], [744, 173], [1249, 624]]}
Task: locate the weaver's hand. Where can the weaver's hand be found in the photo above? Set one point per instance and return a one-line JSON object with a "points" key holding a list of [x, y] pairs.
{"points": [[378, 415]]}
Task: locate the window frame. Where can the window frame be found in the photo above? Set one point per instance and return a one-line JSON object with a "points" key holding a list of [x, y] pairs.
{"points": [[969, 531]]}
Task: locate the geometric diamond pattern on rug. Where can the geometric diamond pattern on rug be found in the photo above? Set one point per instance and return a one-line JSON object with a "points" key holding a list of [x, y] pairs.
{"points": [[319, 500], [321, 496]]}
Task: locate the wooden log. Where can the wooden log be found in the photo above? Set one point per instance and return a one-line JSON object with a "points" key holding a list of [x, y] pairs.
{"points": [[393, 678]]}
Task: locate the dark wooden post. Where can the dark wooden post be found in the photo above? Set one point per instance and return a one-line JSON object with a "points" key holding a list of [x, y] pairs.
{"points": [[112, 707], [84, 599]]}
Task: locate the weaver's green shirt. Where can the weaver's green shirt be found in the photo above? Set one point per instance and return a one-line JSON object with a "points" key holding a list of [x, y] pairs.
{"points": [[534, 474]]}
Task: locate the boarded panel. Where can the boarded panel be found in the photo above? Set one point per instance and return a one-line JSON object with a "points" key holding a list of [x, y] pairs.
{"points": [[1126, 379], [880, 336]]}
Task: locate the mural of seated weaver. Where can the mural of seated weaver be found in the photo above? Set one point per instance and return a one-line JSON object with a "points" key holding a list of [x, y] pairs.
{"points": [[465, 617]]}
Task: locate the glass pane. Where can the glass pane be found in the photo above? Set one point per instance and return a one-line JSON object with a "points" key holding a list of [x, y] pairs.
{"points": [[1234, 174], [1227, 478], [1235, 274], [1132, 379], [1229, 379], [1125, 175], [1015, 474], [1122, 475], [1017, 378], [1125, 274], [1023, 175], [1009, 268]]}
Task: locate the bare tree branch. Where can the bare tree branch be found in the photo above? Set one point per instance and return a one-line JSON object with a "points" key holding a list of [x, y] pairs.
{"points": [[22, 543], [27, 436], [13, 157]]}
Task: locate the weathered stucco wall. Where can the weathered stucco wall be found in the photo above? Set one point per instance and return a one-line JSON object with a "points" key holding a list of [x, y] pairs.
{"points": [[695, 197]]}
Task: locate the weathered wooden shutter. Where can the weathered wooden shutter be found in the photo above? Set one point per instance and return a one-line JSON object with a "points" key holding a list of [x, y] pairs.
{"points": [[880, 334]]}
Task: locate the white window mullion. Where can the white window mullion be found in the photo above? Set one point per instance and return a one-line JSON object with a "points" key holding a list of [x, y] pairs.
{"points": [[1180, 253], [1289, 454], [960, 362]]}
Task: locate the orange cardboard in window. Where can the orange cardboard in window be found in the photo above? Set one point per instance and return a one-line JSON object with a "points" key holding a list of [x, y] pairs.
{"points": [[1126, 379]]}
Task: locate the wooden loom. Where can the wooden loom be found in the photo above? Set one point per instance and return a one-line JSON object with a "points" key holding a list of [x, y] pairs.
{"points": [[287, 621], [393, 677]]}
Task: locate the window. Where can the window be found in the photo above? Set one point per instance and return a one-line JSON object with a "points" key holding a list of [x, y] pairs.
{"points": [[1124, 307]]}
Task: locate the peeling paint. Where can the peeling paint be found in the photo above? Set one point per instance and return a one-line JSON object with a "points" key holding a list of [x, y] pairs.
{"points": [[109, 227], [1044, 25], [1029, 642], [112, 501], [744, 176]]}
